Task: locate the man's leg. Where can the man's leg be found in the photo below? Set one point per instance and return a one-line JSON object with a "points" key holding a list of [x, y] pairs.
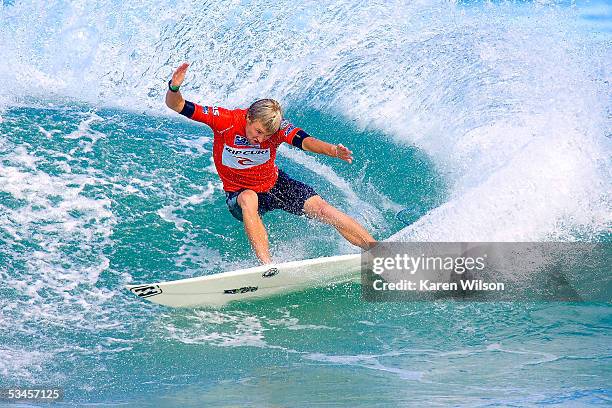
{"points": [[350, 229], [254, 227]]}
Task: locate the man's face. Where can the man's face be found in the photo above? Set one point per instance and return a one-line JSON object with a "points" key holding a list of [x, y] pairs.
{"points": [[256, 133]]}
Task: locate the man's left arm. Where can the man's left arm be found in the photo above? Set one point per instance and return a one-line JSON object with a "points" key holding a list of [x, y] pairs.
{"points": [[312, 144], [299, 138]]}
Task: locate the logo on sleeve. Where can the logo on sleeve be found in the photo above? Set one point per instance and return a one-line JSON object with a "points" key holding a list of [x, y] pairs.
{"points": [[205, 110], [216, 110], [289, 129]]}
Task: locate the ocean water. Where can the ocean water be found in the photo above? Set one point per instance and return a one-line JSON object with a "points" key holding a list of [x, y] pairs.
{"points": [[489, 120]]}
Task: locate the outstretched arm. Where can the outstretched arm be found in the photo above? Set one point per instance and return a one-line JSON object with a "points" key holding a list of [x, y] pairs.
{"points": [[314, 145], [174, 100]]}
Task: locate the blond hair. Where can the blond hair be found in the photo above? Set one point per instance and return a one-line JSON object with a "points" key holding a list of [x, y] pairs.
{"points": [[268, 112]]}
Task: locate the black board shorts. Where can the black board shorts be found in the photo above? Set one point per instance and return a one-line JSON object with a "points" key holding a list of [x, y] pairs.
{"points": [[287, 195]]}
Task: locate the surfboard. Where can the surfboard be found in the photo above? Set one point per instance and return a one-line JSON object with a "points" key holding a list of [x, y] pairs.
{"points": [[251, 283]]}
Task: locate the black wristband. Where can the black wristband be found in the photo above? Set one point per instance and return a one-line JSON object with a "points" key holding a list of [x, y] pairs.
{"points": [[173, 88], [188, 109], [298, 139]]}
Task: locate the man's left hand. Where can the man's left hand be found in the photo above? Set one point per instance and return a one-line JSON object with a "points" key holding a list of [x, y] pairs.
{"points": [[343, 153]]}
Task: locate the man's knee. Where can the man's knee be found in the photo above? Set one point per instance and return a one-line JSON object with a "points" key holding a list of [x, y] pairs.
{"points": [[327, 212], [319, 208], [248, 201]]}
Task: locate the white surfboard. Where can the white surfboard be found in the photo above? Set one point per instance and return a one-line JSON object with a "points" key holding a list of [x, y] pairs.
{"points": [[257, 282]]}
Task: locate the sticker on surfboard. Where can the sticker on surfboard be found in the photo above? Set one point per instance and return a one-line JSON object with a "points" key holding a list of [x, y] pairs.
{"points": [[145, 291]]}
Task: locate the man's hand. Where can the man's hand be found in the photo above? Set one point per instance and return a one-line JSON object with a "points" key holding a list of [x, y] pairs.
{"points": [[343, 153], [174, 100], [179, 75]]}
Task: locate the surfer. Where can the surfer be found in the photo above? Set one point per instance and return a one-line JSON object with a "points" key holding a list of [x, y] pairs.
{"points": [[244, 150]]}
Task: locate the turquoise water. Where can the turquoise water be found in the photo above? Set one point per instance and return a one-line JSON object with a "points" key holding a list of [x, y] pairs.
{"points": [[491, 119]]}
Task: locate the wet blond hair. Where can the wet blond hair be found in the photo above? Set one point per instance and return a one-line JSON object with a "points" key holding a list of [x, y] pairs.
{"points": [[268, 112]]}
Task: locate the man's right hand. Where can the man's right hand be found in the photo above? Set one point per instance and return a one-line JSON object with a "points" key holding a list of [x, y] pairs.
{"points": [[179, 75], [174, 100]]}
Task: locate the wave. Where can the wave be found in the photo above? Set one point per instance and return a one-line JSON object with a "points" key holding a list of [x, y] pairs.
{"points": [[510, 101]]}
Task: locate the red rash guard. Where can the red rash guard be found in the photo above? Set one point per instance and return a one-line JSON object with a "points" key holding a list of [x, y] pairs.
{"points": [[241, 165]]}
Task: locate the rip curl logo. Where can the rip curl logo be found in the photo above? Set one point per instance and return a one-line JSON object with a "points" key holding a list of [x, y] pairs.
{"points": [[216, 110], [270, 273], [243, 158], [146, 291], [245, 161]]}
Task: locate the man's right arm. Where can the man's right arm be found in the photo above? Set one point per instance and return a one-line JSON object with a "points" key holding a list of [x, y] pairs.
{"points": [[213, 116], [174, 100]]}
